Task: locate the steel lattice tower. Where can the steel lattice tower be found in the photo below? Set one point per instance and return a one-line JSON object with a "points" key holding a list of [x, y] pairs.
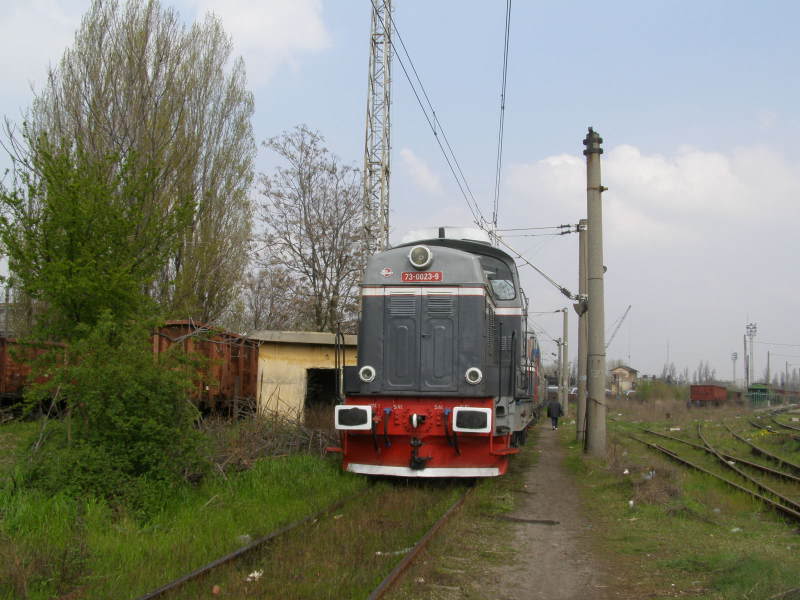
{"points": [[377, 146]]}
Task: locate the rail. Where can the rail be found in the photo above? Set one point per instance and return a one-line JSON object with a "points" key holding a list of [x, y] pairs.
{"points": [[395, 574]]}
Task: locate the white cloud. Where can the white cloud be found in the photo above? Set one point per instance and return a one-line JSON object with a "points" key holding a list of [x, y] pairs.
{"points": [[421, 174], [270, 34], [662, 198], [694, 240], [33, 35]]}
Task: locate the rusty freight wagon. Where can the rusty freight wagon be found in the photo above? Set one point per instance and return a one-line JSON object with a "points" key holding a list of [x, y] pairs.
{"points": [[228, 383], [708, 395], [15, 359]]}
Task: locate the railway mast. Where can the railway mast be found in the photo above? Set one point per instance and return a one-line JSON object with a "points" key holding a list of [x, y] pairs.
{"points": [[376, 145]]}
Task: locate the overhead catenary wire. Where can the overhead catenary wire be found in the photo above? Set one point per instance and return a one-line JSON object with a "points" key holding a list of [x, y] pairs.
{"points": [[433, 122], [525, 261], [452, 163], [503, 86], [536, 228]]}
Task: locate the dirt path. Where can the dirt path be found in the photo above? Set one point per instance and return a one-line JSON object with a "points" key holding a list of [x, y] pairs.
{"points": [[550, 536]]}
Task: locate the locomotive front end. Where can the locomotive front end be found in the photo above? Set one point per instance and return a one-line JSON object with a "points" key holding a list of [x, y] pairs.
{"points": [[431, 395]]}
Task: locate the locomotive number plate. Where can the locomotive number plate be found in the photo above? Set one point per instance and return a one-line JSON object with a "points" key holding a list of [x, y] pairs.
{"points": [[417, 276]]}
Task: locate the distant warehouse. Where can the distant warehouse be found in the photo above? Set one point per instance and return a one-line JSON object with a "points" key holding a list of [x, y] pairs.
{"points": [[297, 369]]}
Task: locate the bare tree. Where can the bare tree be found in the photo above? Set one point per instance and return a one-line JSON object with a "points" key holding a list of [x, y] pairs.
{"points": [[312, 219], [137, 82]]}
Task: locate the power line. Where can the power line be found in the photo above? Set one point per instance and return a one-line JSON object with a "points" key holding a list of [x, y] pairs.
{"points": [[536, 228], [776, 344], [433, 122], [504, 82], [552, 281], [524, 235]]}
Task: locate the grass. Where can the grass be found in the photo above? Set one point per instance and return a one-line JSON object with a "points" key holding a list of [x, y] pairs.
{"points": [[50, 546], [686, 534], [340, 555], [458, 562]]}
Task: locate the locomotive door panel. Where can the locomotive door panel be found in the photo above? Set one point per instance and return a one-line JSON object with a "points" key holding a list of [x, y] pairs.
{"points": [[437, 343], [401, 342]]}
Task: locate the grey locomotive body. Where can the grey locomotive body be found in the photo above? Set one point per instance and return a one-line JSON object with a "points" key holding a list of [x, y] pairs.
{"points": [[443, 355]]}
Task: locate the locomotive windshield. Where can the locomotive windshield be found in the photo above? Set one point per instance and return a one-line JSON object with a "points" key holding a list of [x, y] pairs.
{"points": [[500, 278]]}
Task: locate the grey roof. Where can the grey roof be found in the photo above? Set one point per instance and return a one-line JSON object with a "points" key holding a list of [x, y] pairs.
{"points": [[314, 338]]}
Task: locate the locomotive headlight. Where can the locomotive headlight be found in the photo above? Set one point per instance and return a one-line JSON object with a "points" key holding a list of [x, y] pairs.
{"points": [[357, 418], [366, 373], [472, 419], [420, 257], [473, 375]]}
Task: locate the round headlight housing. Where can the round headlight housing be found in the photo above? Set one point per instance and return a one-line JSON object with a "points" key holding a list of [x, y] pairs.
{"points": [[366, 373], [473, 375], [420, 257]]}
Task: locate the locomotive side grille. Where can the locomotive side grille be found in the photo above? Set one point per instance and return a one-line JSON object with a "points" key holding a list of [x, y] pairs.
{"points": [[505, 343], [440, 306], [402, 306], [491, 332]]}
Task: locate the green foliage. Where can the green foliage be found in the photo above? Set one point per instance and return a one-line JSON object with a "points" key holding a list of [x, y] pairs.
{"points": [[51, 544], [660, 390], [82, 236], [128, 427]]}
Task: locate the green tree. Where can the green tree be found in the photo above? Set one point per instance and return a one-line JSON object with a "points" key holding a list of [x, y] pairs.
{"points": [[171, 102], [128, 432], [82, 235]]}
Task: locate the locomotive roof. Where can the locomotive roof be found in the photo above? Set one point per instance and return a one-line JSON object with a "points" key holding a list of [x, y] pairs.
{"points": [[473, 247]]}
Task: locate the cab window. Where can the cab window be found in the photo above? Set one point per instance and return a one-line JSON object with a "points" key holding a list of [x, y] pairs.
{"points": [[500, 278]]}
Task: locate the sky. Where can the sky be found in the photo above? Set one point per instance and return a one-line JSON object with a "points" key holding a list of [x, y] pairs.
{"points": [[698, 103]]}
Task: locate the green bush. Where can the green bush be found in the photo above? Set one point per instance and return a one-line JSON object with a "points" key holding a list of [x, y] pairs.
{"points": [[127, 430]]}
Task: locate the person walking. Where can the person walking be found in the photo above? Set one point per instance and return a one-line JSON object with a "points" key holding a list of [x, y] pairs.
{"points": [[554, 411]]}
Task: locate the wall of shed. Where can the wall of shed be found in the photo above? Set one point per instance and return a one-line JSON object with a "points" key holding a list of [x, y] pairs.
{"points": [[282, 373]]}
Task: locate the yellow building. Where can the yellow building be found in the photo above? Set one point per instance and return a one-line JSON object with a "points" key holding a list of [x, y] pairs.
{"points": [[623, 379], [297, 369]]}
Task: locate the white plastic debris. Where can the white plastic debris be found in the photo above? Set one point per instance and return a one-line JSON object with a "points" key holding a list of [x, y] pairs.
{"points": [[649, 475], [255, 575], [626, 472], [795, 419], [393, 552], [420, 580], [674, 428], [731, 462], [736, 530], [630, 503]]}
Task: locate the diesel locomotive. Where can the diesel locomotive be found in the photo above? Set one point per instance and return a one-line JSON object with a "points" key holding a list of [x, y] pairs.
{"points": [[447, 379]]}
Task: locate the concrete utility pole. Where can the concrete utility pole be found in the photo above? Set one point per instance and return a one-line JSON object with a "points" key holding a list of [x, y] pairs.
{"points": [[596, 401], [582, 334], [752, 329], [746, 366], [564, 383], [734, 356], [769, 374], [559, 375], [376, 145]]}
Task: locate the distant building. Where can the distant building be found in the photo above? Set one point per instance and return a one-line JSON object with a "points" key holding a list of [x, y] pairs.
{"points": [[623, 379]]}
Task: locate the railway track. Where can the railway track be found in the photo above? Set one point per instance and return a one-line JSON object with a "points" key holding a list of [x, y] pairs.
{"points": [[726, 456], [266, 559], [769, 496], [762, 452]]}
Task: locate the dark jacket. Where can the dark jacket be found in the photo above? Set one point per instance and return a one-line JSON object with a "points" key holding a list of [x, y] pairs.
{"points": [[554, 409]]}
